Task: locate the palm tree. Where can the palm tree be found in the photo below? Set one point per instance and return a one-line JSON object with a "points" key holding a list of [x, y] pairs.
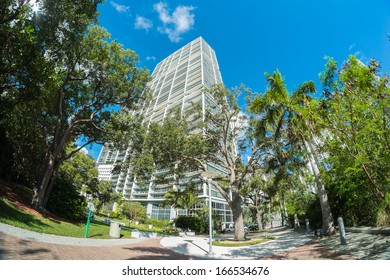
{"points": [[293, 114], [182, 199]]}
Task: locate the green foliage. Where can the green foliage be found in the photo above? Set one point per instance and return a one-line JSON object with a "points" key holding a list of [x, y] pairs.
{"points": [[63, 79], [66, 201], [291, 120], [10, 214], [76, 173], [354, 112], [182, 198], [32, 48], [192, 223], [158, 223], [133, 211], [102, 193]]}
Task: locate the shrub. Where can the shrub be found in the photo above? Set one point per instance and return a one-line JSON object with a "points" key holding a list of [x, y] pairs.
{"points": [[158, 223], [66, 202], [192, 223]]}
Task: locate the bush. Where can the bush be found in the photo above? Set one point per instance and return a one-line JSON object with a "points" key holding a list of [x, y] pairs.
{"points": [[66, 202], [158, 223], [192, 223]]}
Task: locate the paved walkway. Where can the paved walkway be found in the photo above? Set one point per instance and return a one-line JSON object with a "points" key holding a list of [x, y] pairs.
{"points": [[198, 246], [20, 244], [362, 246]]}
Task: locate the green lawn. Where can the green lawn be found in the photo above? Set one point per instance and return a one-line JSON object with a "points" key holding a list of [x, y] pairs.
{"points": [[9, 214], [142, 227]]}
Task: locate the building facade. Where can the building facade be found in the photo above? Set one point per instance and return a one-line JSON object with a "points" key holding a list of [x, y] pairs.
{"points": [[177, 83]]}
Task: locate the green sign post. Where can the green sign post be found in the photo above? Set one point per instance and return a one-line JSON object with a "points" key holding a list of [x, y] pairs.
{"points": [[90, 214]]}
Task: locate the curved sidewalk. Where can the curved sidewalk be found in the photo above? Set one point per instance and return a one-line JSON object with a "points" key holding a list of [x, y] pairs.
{"points": [[20, 244], [198, 246]]}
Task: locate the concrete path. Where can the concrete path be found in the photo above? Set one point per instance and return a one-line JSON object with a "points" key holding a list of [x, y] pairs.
{"points": [[362, 246], [20, 244], [198, 246]]}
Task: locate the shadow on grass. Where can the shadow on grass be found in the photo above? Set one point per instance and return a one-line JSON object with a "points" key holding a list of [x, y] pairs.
{"points": [[95, 235], [8, 212]]}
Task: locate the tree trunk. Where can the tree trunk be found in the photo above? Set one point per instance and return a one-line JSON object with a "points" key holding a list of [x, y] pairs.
{"points": [[40, 191], [258, 219], [239, 233], [327, 218], [50, 185], [284, 211], [258, 213]]}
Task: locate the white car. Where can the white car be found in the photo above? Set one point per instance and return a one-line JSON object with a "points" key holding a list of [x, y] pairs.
{"points": [[231, 229]]}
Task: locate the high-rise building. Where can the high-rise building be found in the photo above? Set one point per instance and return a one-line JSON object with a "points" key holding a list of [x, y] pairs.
{"points": [[177, 82]]}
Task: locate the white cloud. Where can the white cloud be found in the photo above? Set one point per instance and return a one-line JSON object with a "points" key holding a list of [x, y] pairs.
{"points": [[143, 23], [120, 8], [151, 58], [351, 47], [177, 23]]}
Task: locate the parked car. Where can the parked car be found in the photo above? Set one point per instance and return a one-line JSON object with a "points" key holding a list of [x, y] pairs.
{"points": [[230, 229]]}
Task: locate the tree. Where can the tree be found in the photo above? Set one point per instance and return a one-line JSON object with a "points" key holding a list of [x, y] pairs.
{"points": [[74, 175], [182, 198], [76, 82], [133, 211], [103, 193], [100, 76], [222, 137], [355, 113], [297, 114], [255, 191]]}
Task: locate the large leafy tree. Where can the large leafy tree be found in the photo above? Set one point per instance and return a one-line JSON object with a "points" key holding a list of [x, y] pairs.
{"points": [[221, 138], [133, 211], [356, 115], [82, 79]]}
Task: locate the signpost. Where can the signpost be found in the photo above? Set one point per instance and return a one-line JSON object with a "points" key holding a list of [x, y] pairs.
{"points": [[91, 208]]}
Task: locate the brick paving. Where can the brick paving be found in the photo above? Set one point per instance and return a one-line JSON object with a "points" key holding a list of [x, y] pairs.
{"points": [[312, 250], [13, 248]]}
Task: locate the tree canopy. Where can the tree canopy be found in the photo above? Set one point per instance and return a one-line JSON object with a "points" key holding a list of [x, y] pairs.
{"points": [[79, 79]]}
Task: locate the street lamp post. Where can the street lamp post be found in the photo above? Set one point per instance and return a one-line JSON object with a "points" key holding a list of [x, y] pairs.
{"points": [[210, 219], [207, 175]]}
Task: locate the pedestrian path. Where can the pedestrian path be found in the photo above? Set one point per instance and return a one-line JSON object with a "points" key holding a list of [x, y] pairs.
{"points": [[362, 246], [17, 243], [198, 246]]}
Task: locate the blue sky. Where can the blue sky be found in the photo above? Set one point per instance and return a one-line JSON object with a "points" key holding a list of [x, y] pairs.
{"points": [[251, 37]]}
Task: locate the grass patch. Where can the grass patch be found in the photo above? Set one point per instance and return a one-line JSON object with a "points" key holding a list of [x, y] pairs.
{"points": [[141, 227], [11, 215], [233, 243]]}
